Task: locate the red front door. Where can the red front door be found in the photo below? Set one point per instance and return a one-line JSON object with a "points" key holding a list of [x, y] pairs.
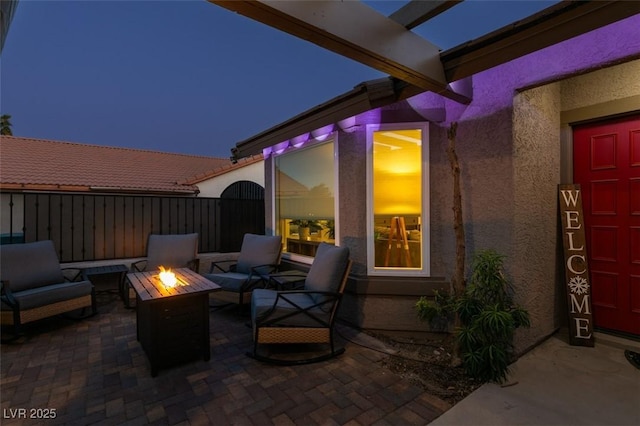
{"points": [[606, 164]]}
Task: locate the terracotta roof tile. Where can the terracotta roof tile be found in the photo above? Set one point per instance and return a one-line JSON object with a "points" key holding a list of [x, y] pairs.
{"points": [[243, 162], [38, 164]]}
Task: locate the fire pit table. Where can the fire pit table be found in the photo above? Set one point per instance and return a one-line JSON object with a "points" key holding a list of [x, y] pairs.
{"points": [[172, 320]]}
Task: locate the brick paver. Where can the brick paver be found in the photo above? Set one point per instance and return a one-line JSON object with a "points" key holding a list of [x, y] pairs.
{"points": [[94, 371]]}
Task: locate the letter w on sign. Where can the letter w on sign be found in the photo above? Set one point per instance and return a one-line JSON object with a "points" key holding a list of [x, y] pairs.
{"points": [[577, 283]]}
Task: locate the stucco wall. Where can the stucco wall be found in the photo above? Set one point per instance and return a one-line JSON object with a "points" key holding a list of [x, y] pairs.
{"points": [[534, 255], [214, 186], [352, 189], [619, 82]]}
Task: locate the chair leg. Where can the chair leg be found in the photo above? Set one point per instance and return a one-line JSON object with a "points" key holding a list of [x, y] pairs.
{"points": [[16, 328], [94, 304]]}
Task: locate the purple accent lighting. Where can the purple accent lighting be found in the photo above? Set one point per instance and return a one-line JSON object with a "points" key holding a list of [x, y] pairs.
{"points": [[299, 140], [493, 89], [323, 132], [280, 148]]}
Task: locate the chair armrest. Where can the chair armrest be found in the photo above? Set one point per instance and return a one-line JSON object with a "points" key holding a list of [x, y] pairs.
{"points": [[139, 266], [7, 296], [230, 266], [194, 265], [71, 274], [264, 270], [271, 317]]}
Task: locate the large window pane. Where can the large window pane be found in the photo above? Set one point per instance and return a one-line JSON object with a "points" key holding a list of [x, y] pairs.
{"points": [[397, 198], [305, 198]]}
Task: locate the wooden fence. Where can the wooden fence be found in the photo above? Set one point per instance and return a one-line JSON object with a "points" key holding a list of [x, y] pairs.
{"points": [[87, 227]]}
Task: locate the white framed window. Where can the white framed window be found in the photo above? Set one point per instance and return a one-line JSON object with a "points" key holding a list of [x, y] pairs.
{"points": [[305, 196], [398, 241]]}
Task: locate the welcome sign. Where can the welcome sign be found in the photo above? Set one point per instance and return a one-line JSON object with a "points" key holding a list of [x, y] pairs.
{"points": [[577, 282]]}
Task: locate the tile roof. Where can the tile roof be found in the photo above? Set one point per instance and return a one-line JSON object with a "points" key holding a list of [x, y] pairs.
{"points": [[229, 167], [38, 164]]}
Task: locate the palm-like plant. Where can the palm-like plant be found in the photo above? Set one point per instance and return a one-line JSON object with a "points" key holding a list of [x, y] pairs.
{"points": [[488, 318], [5, 125]]}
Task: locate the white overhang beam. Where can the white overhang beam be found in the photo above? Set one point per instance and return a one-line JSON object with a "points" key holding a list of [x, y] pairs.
{"points": [[417, 12], [354, 30]]}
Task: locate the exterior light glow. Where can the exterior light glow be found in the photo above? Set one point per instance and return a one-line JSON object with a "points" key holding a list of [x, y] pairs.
{"points": [[167, 277], [322, 133], [299, 140]]}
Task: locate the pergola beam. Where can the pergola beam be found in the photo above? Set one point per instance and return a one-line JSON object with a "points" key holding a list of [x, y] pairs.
{"points": [[417, 12], [354, 30]]}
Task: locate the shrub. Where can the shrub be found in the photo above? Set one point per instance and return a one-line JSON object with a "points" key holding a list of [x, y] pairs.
{"points": [[487, 317]]}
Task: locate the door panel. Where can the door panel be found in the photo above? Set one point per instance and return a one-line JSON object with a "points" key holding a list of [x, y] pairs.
{"points": [[607, 166]]}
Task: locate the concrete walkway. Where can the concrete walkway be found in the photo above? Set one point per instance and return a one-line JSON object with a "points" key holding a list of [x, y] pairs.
{"points": [[559, 384]]}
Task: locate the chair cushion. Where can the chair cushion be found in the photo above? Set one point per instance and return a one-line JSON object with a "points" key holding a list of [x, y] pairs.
{"points": [[171, 251], [42, 296], [326, 271], [231, 281], [30, 265], [262, 300], [258, 250]]}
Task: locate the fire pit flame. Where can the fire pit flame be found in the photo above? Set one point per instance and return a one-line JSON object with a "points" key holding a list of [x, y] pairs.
{"points": [[167, 277]]}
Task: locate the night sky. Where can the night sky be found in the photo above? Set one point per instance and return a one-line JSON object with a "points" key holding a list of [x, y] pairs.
{"points": [[183, 76]]}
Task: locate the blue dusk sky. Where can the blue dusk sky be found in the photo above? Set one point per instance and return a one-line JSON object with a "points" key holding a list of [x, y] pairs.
{"points": [[183, 76]]}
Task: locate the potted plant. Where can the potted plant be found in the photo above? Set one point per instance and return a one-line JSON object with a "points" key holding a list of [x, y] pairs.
{"points": [[305, 226]]}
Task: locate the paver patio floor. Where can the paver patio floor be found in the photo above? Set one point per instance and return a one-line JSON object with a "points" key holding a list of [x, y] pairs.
{"points": [[94, 371]]}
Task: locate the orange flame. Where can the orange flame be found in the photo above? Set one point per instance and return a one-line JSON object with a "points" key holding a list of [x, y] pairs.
{"points": [[167, 277]]}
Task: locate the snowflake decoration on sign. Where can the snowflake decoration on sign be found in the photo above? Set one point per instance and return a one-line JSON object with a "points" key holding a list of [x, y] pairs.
{"points": [[578, 285]]}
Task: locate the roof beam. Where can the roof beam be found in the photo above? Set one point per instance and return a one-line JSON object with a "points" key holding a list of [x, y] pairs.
{"points": [[356, 31], [417, 12], [553, 25]]}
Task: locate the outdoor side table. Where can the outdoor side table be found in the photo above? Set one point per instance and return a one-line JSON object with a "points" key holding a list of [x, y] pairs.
{"points": [[172, 323], [287, 280], [105, 271]]}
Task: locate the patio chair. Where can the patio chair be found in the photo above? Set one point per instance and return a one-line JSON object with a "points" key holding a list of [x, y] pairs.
{"points": [[259, 256], [302, 316], [34, 286], [170, 251]]}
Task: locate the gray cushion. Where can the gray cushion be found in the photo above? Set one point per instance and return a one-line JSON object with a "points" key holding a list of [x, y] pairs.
{"points": [[231, 281], [171, 251], [327, 270], [258, 250], [262, 300], [41, 296], [30, 265]]}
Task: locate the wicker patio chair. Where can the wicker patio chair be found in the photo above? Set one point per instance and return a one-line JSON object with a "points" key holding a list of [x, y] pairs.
{"points": [[259, 256], [34, 286], [303, 316]]}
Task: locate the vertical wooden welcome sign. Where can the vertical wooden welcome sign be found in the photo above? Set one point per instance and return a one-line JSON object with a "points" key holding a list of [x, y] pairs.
{"points": [[577, 282]]}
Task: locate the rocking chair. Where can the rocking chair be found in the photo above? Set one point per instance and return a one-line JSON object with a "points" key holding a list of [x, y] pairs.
{"points": [[302, 316]]}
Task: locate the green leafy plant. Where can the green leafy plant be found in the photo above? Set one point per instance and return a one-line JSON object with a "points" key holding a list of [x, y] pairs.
{"points": [[487, 316], [331, 226], [313, 225], [5, 125]]}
